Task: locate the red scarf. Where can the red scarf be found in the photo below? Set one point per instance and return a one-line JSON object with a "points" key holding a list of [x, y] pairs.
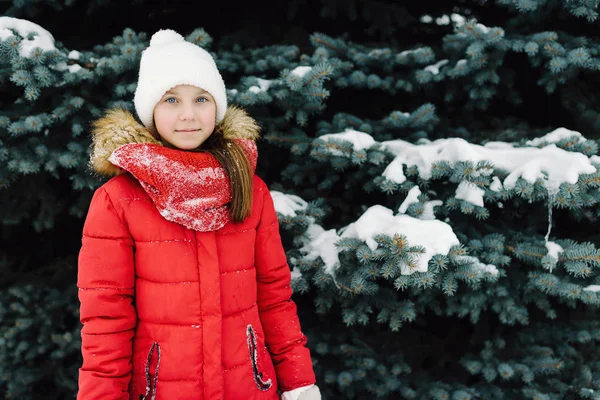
{"points": [[189, 188]]}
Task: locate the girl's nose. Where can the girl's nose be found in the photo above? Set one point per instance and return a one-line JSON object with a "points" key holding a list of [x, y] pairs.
{"points": [[187, 112]]}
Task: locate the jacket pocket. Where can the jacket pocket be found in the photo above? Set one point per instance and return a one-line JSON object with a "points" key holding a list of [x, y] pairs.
{"points": [[151, 388], [253, 349]]}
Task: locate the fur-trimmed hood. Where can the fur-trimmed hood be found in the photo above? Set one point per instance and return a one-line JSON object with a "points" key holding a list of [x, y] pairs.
{"points": [[119, 127]]}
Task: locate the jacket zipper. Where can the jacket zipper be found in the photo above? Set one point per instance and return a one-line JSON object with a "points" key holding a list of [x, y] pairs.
{"points": [[252, 347], [151, 389]]}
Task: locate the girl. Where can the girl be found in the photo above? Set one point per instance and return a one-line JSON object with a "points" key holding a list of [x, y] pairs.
{"points": [[184, 286]]}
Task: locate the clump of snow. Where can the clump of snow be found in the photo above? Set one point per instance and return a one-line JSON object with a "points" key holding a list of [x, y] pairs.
{"points": [[394, 171], [554, 249], [435, 68], [428, 209], [592, 288], [483, 28], [359, 140], [496, 185], [550, 163], [44, 39], [435, 236], [481, 268], [317, 241], [443, 20], [488, 269], [411, 198], [321, 243], [287, 204], [296, 273], [470, 193], [263, 86], [62, 66], [556, 136], [301, 71], [458, 19]]}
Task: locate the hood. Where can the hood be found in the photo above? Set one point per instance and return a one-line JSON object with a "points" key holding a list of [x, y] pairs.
{"points": [[119, 127]]}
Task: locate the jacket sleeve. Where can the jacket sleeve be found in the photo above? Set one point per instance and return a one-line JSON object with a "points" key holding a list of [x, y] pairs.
{"points": [[105, 280], [284, 339]]}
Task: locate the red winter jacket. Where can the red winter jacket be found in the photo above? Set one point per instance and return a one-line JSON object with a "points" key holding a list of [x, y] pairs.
{"points": [[173, 313]]}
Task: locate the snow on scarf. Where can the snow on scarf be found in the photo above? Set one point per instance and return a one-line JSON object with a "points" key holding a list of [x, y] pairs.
{"points": [[189, 188]]}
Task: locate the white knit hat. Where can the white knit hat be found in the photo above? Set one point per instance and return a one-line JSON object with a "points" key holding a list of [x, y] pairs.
{"points": [[170, 61]]}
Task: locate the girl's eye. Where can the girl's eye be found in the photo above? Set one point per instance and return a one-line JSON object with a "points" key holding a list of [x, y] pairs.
{"points": [[170, 100], [201, 99]]}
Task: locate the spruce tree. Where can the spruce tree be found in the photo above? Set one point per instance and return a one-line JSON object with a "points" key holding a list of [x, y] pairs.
{"points": [[436, 175]]}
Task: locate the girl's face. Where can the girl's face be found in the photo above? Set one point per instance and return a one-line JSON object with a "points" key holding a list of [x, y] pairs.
{"points": [[185, 116]]}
